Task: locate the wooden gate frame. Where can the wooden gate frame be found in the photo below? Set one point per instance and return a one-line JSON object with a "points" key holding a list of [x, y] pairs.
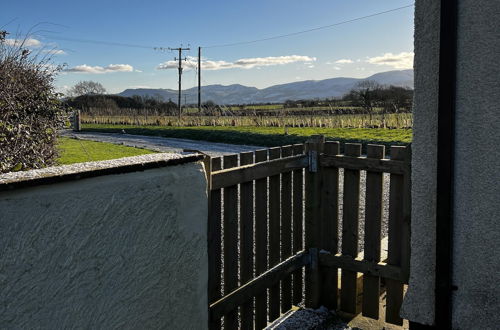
{"points": [[319, 256]]}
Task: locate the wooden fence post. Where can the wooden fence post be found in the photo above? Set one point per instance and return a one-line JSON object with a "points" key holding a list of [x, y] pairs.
{"points": [[329, 226], [373, 225], [314, 147], [350, 225], [246, 239], [214, 241], [298, 219], [261, 233], [77, 121], [230, 223], [396, 234]]}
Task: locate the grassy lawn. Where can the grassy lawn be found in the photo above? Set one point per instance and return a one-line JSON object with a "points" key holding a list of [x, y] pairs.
{"points": [[263, 136], [78, 151]]}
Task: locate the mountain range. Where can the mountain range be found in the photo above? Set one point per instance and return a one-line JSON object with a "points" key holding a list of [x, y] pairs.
{"points": [[300, 90]]}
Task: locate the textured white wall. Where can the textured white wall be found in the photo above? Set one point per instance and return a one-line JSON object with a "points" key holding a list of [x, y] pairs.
{"points": [[418, 305], [121, 251], [476, 233], [476, 253]]}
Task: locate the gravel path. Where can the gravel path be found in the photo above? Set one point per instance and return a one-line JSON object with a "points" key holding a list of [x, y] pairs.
{"points": [[163, 144]]}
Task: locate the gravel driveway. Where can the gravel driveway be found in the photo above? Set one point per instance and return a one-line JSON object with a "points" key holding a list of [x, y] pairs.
{"points": [[162, 144]]}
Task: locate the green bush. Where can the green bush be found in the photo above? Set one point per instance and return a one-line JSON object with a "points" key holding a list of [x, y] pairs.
{"points": [[30, 111]]}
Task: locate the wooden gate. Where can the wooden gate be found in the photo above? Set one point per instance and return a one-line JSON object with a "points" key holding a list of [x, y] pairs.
{"points": [[273, 232]]}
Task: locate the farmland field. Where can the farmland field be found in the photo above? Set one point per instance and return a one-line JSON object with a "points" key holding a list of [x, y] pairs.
{"points": [[262, 136], [399, 120]]}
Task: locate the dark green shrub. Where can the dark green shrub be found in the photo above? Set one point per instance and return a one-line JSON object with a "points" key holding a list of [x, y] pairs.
{"points": [[30, 111]]}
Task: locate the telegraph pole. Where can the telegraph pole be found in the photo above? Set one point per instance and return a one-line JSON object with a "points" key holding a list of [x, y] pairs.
{"points": [[180, 49], [199, 79]]}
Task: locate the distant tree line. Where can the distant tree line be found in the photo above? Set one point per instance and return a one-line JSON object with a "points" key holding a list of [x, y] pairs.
{"points": [[88, 96], [367, 95]]}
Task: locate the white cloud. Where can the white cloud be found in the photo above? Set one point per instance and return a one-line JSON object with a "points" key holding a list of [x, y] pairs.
{"points": [[54, 51], [403, 60], [337, 68], [99, 69], [244, 63], [344, 61], [28, 42]]}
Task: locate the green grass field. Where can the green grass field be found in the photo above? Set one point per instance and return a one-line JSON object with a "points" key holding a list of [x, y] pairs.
{"points": [[263, 136], [78, 151]]}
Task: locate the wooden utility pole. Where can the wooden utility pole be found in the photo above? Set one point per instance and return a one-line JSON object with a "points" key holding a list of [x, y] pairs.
{"points": [[180, 49], [199, 79]]}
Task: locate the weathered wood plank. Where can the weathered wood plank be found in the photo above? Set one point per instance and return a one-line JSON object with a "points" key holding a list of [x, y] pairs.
{"points": [[373, 225], [379, 269], [363, 163], [329, 226], [396, 197], [405, 235], [230, 241], [274, 234], [246, 240], [261, 221], [214, 245], [350, 221], [314, 147], [259, 284], [298, 223], [229, 177], [286, 230]]}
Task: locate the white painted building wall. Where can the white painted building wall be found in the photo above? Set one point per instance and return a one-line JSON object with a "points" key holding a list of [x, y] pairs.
{"points": [[476, 230]]}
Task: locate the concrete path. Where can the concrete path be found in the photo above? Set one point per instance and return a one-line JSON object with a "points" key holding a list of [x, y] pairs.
{"points": [[162, 144]]}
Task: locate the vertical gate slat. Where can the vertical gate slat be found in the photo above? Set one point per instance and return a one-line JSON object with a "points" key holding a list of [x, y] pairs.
{"points": [[314, 147], [230, 241], [406, 231], [214, 245], [274, 234], [298, 223], [246, 240], [350, 221], [261, 241], [329, 220], [373, 222], [396, 197], [286, 230]]}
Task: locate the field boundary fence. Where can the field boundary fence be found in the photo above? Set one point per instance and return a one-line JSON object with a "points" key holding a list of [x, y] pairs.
{"points": [[273, 232]]}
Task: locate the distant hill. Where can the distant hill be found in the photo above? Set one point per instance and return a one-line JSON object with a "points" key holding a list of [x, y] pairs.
{"points": [[308, 89]]}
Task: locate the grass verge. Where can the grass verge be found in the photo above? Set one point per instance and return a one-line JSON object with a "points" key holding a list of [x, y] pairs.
{"points": [[73, 151], [263, 136]]}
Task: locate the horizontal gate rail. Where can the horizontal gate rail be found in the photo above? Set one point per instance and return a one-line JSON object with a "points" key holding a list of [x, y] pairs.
{"points": [[366, 164], [234, 176], [346, 262], [239, 296]]}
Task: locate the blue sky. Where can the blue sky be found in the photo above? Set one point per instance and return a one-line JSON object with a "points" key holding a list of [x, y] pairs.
{"points": [[356, 49]]}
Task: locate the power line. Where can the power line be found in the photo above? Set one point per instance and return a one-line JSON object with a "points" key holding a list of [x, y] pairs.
{"points": [[106, 43], [309, 30]]}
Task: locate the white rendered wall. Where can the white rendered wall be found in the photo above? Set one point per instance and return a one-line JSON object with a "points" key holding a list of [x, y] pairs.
{"points": [[121, 251], [476, 230]]}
